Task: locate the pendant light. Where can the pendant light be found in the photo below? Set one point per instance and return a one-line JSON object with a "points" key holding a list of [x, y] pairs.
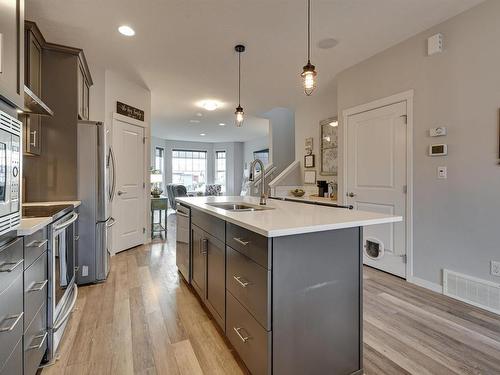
{"points": [[239, 110], [309, 72]]}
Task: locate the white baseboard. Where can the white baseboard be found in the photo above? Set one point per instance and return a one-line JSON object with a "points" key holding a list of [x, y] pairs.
{"points": [[426, 284]]}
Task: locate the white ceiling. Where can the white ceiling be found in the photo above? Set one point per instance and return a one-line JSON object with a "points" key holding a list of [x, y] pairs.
{"points": [[183, 50]]}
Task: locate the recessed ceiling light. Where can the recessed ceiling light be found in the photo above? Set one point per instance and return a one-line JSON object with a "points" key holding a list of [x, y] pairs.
{"points": [[126, 30], [334, 123], [327, 43], [199, 114], [202, 134], [194, 121], [222, 124], [209, 104]]}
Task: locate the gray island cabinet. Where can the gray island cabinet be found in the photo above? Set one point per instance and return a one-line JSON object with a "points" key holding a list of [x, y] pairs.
{"points": [[288, 304]]}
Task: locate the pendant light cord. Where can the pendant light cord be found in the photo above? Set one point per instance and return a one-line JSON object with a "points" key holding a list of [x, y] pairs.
{"points": [[239, 79], [308, 31]]}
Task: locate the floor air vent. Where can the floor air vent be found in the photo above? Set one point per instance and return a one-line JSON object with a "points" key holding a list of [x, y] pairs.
{"points": [[477, 292]]}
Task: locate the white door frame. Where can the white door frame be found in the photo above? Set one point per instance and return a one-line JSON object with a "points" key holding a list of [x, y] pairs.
{"points": [[407, 97], [147, 163]]}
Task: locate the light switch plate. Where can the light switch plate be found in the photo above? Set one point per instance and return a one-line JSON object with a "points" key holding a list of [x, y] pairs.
{"points": [[442, 173], [437, 132], [495, 268]]}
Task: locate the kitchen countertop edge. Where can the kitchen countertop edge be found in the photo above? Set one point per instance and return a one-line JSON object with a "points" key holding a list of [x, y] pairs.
{"points": [[283, 231]]}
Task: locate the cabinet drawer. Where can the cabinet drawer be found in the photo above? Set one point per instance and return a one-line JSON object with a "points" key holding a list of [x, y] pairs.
{"points": [[14, 365], [35, 341], [11, 318], [209, 224], [35, 288], [251, 341], [250, 284], [11, 263], [34, 245], [249, 243]]}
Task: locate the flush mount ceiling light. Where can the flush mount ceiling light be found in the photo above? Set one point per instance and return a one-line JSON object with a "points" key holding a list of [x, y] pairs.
{"points": [[239, 110], [209, 104], [222, 124], [202, 134], [126, 30], [194, 121], [309, 70]]}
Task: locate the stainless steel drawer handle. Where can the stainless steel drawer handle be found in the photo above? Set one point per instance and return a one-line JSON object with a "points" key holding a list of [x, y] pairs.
{"points": [[15, 318], [238, 332], [43, 337], [204, 246], [243, 284], [37, 243], [240, 241], [35, 288], [13, 265]]}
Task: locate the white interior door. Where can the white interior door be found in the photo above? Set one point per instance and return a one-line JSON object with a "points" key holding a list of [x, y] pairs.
{"points": [[129, 199], [376, 181]]}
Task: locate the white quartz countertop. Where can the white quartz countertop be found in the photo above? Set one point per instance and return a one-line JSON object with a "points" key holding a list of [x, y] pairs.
{"points": [[55, 203], [286, 217], [31, 225]]}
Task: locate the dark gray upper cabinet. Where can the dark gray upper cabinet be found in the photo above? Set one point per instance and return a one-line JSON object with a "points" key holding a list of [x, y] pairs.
{"points": [[83, 94], [32, 130], [12, 52]]}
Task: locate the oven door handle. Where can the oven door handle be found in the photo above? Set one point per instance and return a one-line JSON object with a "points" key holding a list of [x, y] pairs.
{"points": [[67, 223], [59, 322]]}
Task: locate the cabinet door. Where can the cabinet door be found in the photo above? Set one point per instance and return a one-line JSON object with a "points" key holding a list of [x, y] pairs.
{"points": [[199, 264], [86, 100], [33, 64], [81, 84], [32, 127], [12, 51], [216, 278]]}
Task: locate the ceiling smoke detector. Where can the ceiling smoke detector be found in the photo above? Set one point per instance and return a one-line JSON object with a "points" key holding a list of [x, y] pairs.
{"points": [[327, 43]]}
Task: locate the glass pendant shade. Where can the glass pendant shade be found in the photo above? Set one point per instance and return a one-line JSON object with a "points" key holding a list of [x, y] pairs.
{"points": [[239, 116], [309, 77]]}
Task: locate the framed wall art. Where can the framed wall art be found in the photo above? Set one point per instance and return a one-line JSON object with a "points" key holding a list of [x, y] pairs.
{"points": [[329, 146], [309, 161], [309, 177]]}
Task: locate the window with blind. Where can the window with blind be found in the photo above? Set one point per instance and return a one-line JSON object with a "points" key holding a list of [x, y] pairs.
{"points": [[189, 168], [220, 169]]}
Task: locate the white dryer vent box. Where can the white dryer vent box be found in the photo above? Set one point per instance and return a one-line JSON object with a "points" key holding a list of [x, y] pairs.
{"points": [[435, 44]]}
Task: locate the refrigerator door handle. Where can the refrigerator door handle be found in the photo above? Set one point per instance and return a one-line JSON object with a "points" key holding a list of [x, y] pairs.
{"points": [[113, 184]]}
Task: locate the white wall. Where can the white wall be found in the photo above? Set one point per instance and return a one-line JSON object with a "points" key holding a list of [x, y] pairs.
{"points": [[249, 147], [456, 221], [281, 137], [308, 114]]}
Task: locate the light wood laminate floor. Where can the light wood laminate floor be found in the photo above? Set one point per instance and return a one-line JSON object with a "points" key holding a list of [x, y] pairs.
{"points": [[144, 320]]}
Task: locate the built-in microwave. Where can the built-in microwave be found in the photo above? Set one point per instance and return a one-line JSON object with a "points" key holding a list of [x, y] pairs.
{"points": [[10, 172]]}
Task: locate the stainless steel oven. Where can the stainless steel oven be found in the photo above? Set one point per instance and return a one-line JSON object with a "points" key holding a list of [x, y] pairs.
{"points": [[10, 172], [62, 287]]}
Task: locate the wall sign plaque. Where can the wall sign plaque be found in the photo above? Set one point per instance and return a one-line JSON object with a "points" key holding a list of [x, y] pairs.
{"points": [[129, 111]]}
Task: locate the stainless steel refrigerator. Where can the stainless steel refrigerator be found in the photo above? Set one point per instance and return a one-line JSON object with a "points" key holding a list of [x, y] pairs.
{"points": [[96, 185]]}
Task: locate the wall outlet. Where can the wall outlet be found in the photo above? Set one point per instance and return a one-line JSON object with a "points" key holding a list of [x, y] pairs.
{"points": [[495, 268], [442, 173], [85, 271]]}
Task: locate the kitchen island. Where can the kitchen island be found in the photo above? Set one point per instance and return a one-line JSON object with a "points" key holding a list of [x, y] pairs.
{"points": [[282, 281]]}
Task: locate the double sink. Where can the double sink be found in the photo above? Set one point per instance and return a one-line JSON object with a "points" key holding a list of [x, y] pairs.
{"points": [[239, 207]]}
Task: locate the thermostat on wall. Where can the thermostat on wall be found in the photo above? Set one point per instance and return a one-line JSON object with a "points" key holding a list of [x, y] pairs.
{"points": [[438, 150]]}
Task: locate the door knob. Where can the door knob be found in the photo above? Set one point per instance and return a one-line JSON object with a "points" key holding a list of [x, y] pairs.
{"points": [[121, 192], [351, 194]]}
